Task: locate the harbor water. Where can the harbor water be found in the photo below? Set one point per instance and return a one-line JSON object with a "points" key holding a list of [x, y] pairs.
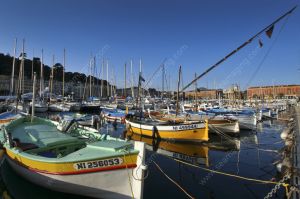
{"points": [[251, 155]]}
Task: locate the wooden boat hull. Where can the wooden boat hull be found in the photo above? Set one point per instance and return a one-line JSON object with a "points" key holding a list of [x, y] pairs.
{"points": [[75, 107], [87, 178], [103, 168], [181, 132], [40, 109], [90, 108], [7, 117], [224, 126], [58, 108], [114, 184]]}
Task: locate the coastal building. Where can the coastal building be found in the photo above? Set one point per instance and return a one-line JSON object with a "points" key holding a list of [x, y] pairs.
{"points": [[273, 92], [203, 93], [233, 93]]}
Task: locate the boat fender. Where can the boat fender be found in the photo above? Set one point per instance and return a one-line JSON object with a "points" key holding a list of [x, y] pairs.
{"points": [[115, 124], [154, 132], [123, 120], [144, 167]]}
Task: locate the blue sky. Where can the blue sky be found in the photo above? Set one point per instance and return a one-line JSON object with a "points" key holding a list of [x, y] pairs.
{"points": [[194, 34]]}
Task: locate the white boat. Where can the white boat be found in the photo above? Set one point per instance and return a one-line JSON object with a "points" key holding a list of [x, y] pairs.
{"points": [[74, 106], [39, 107], [246, 121], [230, 126], [58, 108]]}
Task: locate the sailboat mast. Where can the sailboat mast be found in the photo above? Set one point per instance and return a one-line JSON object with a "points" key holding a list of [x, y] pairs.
{"points": [[238, 48], [33, 97], [107, 86], [19, 85], [131, 73], [102, 74], [32, 65], [178, 85], [141, 76], [51, 77], [125, 88], [41, 75], [196, 96], [90, 77], [64, 65], [163, 80], [23, 70], [13, 69]]}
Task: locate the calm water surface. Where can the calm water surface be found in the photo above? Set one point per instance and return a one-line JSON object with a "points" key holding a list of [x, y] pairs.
{"points": [[251, 155]]}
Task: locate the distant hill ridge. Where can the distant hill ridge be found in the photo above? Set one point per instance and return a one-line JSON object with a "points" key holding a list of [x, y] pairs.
{"points": [[6, 62]]}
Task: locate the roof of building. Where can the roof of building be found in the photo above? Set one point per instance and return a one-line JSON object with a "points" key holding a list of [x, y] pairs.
{"points": [[288, 85]]}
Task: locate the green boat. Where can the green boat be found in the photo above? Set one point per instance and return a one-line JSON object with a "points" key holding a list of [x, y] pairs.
{"points": [[69, 158]]}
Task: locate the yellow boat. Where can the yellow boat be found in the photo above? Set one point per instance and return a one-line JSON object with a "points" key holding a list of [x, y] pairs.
{"points": [[196, 131]]}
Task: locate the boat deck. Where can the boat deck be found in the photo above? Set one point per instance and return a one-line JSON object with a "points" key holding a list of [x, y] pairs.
{"points": [[42, 135], [45, 142]]}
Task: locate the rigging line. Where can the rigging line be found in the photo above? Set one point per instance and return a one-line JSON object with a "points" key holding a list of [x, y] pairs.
{"points": [[239, 48], [268, 52], [156, 71]]}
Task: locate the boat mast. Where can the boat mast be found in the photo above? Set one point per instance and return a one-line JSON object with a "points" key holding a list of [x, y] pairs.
{"points": [[132, 89], [64, 65], [196, 93], [178, 85], [23, 59], [19, 86], [102, 74], [13, 69], [125, 93], [112, 80], [141, 92], [239, 48], [90, 78], [32, 65], [51, 77], [163, 81], [41, 76], [33, 97], [107, 86]]}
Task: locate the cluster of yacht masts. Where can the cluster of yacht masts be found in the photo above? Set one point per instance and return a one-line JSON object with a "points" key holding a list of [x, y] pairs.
{"points": [[90, 79], [92, 69], [110, 88], [20, 85]]}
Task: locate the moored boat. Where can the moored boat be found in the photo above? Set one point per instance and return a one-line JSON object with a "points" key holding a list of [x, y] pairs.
{"points": [[74, 160], [229, 126], [196, 131], [8, 116]]}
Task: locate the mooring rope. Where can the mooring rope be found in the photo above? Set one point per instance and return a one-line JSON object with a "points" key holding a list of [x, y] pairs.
{"points": [[129, 180], [169, 178], [231, 175]]}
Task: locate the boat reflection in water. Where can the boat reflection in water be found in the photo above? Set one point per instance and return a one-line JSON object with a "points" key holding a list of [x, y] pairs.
{"points": [[194, 153], [221, 143]]}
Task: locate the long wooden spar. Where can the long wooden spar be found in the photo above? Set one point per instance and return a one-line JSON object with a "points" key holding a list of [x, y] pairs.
{"points": [[237, 49]]}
